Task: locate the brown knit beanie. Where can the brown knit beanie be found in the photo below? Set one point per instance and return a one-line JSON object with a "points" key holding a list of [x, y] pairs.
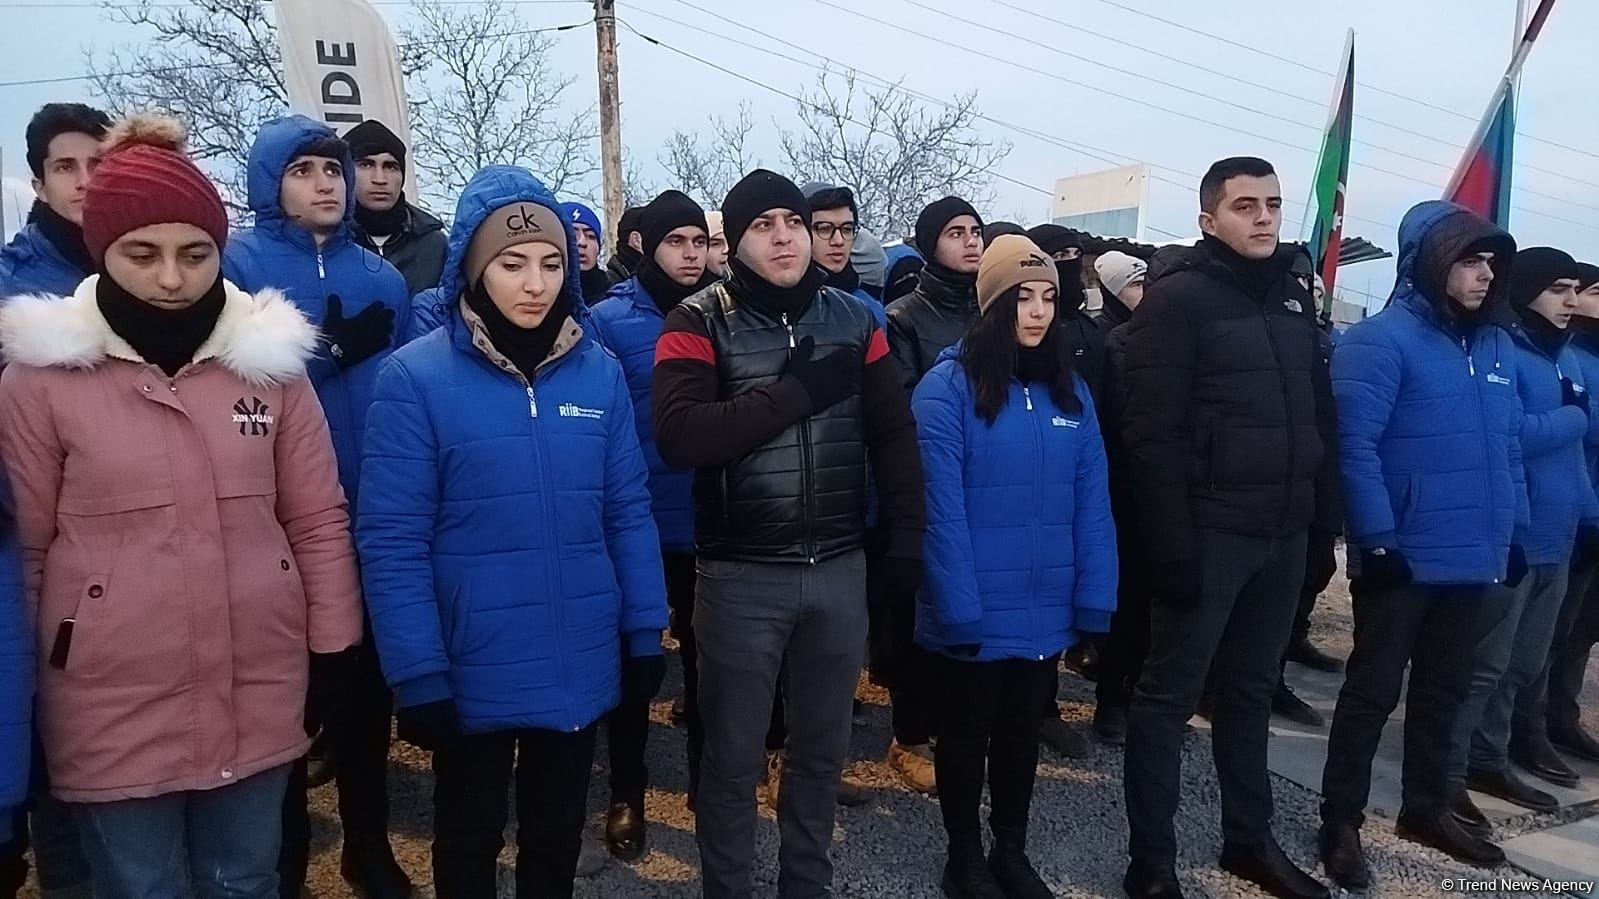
{"points": [[519, 223], [1009, 261], [145, 178]]}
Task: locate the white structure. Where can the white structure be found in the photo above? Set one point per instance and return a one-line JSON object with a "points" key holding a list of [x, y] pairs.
{"points": [[1110, 203]]}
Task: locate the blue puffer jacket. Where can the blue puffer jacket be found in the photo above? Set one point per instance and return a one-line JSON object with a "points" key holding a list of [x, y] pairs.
{"points": [[506, 543], [31, 264], [1586, 348], [16, 674], [1020, 545], [278, 253], [1559, 486], [628, 323], [1429, 422]]}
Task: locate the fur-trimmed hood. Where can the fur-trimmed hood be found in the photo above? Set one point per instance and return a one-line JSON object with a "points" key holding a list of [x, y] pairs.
{"points": [[262, 338]]}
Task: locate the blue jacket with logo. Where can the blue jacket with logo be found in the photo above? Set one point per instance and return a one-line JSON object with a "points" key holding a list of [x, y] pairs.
{"points": [[280, 254], [16, 673], [628, 323], [1429, 425], [507, 549], [1020, 547], [31, 264], [1559, 486]]}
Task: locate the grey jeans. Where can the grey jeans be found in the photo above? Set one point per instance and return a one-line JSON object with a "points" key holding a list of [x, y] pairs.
{"points": [[1513, 641], [754, 623]]}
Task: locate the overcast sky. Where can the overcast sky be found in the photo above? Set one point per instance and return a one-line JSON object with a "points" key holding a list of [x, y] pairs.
{"points": [[1445, 53]]}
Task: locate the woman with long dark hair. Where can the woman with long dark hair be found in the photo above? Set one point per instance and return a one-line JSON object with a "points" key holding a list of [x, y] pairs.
{"points": [[1021, 555]]}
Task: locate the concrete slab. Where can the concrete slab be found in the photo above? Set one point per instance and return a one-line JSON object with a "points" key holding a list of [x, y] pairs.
{"points": [[1566, 853]]}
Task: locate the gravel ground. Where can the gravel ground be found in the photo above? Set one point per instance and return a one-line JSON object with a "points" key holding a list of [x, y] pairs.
{"points": [[894, 845]]}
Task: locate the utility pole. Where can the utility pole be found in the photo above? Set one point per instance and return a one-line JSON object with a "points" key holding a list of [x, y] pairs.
{"points": [[610, 112]]}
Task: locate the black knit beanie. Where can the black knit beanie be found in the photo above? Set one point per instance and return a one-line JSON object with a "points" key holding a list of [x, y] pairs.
{"points": [[938, 214], [1535, 269], [758, 193], [372, 137], [665, 214]]}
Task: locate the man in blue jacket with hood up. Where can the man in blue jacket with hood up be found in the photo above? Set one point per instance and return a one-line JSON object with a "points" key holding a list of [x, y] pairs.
{"points": [[301, 181], [1428, 433]]}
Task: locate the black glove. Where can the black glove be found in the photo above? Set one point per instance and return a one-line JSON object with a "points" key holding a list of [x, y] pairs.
{"points": [[1587, 546], [1176, 584], [827, 381], [332, 691], [429, 725], [1572, 395], [642, 678], [355, 340], [1516, 571], [1384, 567]]}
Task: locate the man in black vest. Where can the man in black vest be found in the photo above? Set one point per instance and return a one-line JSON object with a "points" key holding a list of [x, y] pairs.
{"points": [[777, 389]]}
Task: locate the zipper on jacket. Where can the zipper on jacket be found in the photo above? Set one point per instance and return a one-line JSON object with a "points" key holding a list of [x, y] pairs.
{"points": [[1282, 378], [807, 486], [1038, 512]]}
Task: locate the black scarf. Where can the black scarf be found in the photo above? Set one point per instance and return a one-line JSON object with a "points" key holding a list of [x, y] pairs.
{"points": [[846, 280], [665, 291], [66, 237], [165, 338], [949, 288], [596, 283], [386, 223], [753, 289], [527, 348], [1542, 332], [1257, 277], [1036, 364]]}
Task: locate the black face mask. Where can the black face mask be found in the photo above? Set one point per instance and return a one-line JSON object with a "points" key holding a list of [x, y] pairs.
{"points": [[165, 338], [527, 348], [66, 237]]}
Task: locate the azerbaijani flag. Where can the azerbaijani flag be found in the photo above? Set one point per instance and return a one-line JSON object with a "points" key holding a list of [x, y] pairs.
{"points": [[1481, 181], [1332, 176]]}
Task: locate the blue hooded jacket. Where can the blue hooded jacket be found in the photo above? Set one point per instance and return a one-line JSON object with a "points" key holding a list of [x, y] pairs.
{"points": [[31, 264], [16, 673], [628, 323], [1429, 424], [280, 254], [1559, 486], [1020, 547], [506, 544]]}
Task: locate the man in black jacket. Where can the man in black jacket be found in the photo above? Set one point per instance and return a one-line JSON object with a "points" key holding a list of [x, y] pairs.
{"points": [[408, 236], [777, 389], [1230, 435]]}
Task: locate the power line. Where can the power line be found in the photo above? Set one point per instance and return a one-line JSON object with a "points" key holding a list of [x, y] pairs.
{"points": [[1310, 68]]}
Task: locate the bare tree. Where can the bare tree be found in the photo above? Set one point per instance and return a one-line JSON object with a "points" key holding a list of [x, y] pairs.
{"points": [[896, 153], [707, 172], [482, 91]]}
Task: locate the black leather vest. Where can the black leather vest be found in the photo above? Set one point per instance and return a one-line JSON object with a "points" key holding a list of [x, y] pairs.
{"points": [[801, 497]]}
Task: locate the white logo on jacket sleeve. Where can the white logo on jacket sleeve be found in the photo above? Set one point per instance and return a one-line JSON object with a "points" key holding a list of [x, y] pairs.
{"points": [[573, 410], [1063, 422]]}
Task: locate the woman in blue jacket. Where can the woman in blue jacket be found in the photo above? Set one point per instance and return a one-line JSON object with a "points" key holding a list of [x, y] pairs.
{"points": [[1020, 549], [512, 569]]}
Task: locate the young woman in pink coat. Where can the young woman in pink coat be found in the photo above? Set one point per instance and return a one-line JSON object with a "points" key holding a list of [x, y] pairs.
{"points": [[186, 548]]}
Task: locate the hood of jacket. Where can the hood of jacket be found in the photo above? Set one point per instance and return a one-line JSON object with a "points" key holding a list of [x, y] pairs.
{"points": [[491, 188], [262, 338], [1444, 230], [275, 147]]}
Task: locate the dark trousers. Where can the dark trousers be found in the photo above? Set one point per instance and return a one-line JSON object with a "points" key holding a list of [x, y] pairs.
{"points": [[470, 807], [680, 600], [989, 717], [1434, 631], [361, 753], [1571, 663], [1122, 653], [1241, 618], [1530, 719]]}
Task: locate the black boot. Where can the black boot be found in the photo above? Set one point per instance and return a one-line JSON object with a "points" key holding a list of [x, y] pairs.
{"points": [[1575, 741], [1440, 831], [1504, 784], [1342, 857], [1146, 882], [1467, 815], [1011, 868], [966, 874], [1534, 753], [624, 829], [1266, 866], [371, 871], [1305, 653]]}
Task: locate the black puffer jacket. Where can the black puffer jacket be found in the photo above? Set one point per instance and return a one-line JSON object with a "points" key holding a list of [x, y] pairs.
{"points": [[1228, 423], [932, 318], [417, 250]]}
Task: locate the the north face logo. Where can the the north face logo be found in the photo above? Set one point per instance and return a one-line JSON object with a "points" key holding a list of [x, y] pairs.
{"points": [[253, 417]]}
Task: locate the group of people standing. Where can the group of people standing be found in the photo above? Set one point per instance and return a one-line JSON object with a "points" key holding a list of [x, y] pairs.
{"points": [[274, 492]]}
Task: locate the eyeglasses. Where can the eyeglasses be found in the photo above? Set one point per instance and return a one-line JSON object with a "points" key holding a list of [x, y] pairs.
{"points": [[826, 230]]}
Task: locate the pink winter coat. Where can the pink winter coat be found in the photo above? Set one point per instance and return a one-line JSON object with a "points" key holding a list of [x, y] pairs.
{"points": [[194, 529]]}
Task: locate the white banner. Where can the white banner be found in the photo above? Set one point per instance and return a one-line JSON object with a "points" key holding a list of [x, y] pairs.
{"points": [[341, 67]]}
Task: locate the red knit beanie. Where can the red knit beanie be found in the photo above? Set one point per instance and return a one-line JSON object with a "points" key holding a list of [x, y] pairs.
{"points": [[146, 178]]}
